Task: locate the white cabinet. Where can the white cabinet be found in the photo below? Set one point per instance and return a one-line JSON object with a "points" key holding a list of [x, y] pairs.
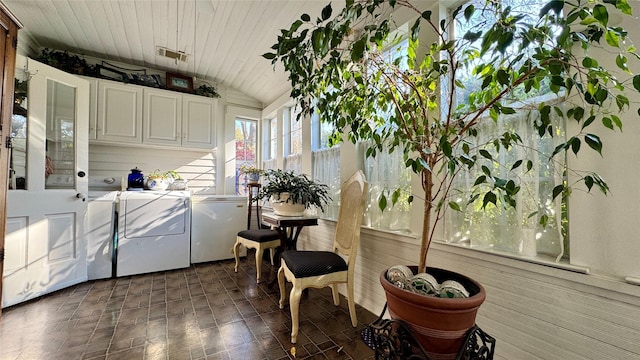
{"points": [[132, 114], [93, 106], [162, 117], [198, 121], [119, 112], [172, 118]]}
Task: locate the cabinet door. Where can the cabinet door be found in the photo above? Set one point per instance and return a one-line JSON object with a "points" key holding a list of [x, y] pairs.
{"points": [[119, 112], [198, 121], [93, 106], [162, 114]]}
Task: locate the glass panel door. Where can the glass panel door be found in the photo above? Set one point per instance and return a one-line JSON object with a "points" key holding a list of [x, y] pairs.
{"points": [[60, 162]]}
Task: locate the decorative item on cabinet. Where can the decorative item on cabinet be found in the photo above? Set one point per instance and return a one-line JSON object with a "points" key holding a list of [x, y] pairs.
{"points": [[179, 82]]}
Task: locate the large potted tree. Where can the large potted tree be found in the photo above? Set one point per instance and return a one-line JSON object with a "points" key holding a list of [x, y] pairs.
{"points": [[338, 66]]}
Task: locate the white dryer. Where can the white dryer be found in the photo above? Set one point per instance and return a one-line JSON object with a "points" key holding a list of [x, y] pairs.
{"points": [[153, 231]]}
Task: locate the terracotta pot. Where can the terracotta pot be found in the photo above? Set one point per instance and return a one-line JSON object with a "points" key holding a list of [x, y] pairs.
{"points": [[438, 324]]}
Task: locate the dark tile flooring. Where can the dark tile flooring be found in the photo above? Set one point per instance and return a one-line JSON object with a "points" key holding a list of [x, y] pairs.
{"points": [[204, 312]]}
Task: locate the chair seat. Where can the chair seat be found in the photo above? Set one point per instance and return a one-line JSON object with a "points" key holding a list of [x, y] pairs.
{"points": [[313, 263], [260, 235]]}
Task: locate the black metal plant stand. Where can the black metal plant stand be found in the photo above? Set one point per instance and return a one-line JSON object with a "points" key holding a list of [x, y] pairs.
{"points": [[392, 339]]}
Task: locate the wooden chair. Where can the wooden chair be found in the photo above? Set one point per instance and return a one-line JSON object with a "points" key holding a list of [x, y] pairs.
{"points": [[260, 239], [319, 269]]}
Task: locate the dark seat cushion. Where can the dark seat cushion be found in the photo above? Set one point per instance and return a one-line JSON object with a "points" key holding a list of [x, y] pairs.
{"points": [[260, 235], [313, 263]]}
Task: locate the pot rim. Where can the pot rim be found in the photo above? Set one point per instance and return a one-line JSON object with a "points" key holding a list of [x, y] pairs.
{"points": [[475, 300]]}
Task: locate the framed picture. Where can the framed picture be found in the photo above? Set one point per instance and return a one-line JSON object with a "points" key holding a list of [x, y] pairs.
{"points": [[179, 82], [110, 73]]}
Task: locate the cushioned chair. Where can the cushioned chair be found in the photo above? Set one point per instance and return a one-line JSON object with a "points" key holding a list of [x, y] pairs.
{"points": [[319, 269], [260, 239]]}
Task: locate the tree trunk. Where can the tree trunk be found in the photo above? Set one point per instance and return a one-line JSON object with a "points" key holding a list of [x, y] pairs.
{"points": [[427, 185]]}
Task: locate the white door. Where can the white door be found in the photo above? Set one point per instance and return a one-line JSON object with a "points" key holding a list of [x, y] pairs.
{"points": [[45, 220]]}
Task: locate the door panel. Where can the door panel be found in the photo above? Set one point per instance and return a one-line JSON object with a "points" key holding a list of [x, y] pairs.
{"points": [[46, 221]]}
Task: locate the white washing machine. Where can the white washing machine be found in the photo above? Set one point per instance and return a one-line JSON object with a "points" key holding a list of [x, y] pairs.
{"points": [[154, 231], [101, 225]]}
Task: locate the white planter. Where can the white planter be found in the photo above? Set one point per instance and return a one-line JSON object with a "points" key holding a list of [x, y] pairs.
{"points": [[284, 208], [157, 184]]}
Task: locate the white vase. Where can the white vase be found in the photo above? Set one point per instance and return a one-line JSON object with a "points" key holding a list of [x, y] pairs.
{"points": [[281, 206]]}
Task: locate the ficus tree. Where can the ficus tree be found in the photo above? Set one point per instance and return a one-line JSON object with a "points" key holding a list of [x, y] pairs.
{"points": [[338, 66]]}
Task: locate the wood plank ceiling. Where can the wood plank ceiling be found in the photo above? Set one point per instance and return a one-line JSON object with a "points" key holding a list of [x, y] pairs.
{"points": [[224, 38]]}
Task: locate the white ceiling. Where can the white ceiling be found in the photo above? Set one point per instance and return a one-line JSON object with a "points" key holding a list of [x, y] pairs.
{"points": [[225, 38]]}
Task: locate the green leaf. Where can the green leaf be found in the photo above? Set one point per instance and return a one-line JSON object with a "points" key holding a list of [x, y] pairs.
{"points": [[575, 145], [516, 164], [588, 122], [395, 196], [454, 205], [503, 77], [601, 14], [415, 30], [486, 154], [357, 53], [621, 61], [480, 180], [557, 190], [468, 12], [616, 120], [426, 15], [594, 142], [544, 220], [636, 82], [555, 6], [624, 7], [269, 56], [305, 17], [489, 198], [326, 12], [382, 202], [612, 38], [588, 181], [606, 121]]}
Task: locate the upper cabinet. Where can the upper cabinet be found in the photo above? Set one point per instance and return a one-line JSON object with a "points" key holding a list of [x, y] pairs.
{"points": [[132, 114], [162, 117], [198, 121], [119, 112]]}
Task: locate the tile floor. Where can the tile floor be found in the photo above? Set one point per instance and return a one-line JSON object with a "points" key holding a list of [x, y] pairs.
{"points": [[204, 312]]}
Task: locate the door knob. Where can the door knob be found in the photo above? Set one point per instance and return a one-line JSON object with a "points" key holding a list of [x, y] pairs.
{"points": [[81, 173]]}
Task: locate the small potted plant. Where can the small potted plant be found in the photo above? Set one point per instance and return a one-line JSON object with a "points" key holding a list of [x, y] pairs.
{"points": [[290, 194], [252, 172]]}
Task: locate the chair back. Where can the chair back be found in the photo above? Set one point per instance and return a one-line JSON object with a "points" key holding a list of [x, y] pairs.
{"points": [[352, 196]]}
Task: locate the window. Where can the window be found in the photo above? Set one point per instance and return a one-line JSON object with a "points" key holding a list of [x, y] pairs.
{"points": [[326, 163], [293, 153], [510, 230], [246, 145], [387, 172], [271, 159]]}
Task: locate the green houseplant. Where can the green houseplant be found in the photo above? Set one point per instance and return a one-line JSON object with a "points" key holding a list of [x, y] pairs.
{"points": [[337, 66], [283, 188]]}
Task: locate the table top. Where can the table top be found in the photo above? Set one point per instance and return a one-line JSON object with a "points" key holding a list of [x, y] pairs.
{"points": [[281, 220]]}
